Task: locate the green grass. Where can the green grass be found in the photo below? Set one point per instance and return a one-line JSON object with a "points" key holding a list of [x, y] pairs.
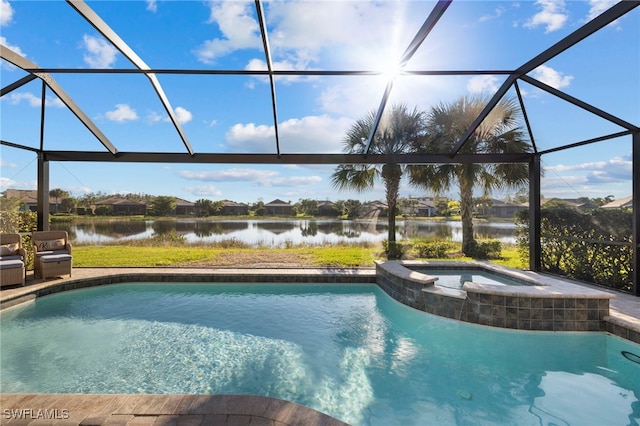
{"points": [[210, 256]]}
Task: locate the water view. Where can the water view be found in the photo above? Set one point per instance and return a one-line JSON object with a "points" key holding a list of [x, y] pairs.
{"points": [[276, 233]]}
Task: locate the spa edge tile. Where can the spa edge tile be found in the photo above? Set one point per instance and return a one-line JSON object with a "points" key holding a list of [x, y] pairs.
{"points": [[581, 315], [524, 302], [537, 314], [569, 303]]}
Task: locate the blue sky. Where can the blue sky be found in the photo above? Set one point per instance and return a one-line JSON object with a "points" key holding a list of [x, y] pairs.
{"points": [[231, 114]]}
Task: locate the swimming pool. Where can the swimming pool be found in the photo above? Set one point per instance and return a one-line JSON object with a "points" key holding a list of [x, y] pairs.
{"points": [[455, 278], [347, 350]]}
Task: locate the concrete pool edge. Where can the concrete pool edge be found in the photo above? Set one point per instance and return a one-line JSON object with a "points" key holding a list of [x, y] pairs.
{"points": [[544, 304]]}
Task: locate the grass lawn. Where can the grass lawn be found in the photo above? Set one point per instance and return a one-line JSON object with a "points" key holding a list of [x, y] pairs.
{"points": [[212, 256]]}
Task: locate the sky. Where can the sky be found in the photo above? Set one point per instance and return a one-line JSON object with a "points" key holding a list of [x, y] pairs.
{"points": [[232, 113]]}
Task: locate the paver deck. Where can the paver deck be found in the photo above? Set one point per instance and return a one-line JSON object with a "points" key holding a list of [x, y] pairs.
{"points": [[96, 410]]}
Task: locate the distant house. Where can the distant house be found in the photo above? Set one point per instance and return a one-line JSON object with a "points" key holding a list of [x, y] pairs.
{"points": [[184, 208], [426, 207], [503, 209], [622, 203], [278, 208], [122, 207], [372, 209], [231, 208], [29, 199], [327, 208], [570, 202]]}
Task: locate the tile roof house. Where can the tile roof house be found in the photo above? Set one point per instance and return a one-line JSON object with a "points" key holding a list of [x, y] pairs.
{"points": [[327, 208], [231, 208], [622, 203], [118, 206], [184, 207], [29, 199], [279, 207]]}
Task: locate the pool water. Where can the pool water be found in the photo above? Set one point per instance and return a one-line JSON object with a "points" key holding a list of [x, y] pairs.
{"points": [[347, 350], [456, 278]]}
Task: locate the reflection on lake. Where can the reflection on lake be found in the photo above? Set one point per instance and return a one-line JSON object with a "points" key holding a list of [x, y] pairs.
{"points": [[276, 233]]}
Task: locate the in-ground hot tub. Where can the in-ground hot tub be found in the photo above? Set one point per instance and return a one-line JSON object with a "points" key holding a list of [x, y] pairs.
{"points": [[523, 300]]}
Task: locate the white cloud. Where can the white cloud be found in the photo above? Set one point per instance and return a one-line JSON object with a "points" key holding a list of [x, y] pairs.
{"points": [[154, 117], [100, 54], [6, 13], [152, 6], [553, 15], [205, 190], [183, 115], [33, 100], [308, 134], [599, 6], [293, 181], [122, 113], [263, 178], [300, 32], [230, 175], [596, 178], [497, 13], [13, 47], [483, 84], [239, 30], [551, 77]]}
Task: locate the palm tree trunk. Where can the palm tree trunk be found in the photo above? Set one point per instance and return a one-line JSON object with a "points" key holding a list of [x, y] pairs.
{"points": [[391, 173], [466, 208]]}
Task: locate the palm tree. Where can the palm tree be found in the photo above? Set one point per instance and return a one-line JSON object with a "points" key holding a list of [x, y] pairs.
{"points": [[500, 132], [58, 193], [398, 132]]}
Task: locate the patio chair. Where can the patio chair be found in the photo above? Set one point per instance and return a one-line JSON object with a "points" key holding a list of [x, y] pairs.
{"points": [[12, 260], [51, 254]]}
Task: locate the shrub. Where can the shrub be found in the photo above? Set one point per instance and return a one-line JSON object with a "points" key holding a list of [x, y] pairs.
{"points": [[487, 249], [433, 249], [395, 250]]}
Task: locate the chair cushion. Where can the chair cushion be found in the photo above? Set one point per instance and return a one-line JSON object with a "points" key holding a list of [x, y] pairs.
{"points": [[11, 257], [45, 245], [11, 264], [55, 258], [51, 252], [9, 249]]}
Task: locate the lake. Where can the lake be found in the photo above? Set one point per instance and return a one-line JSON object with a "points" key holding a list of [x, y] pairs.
{"points": [[276, 233]]}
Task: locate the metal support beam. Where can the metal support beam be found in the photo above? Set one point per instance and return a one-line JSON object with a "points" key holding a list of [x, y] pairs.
{"points": [[635, 226], [421, 35], [610, 15], [484, 113], [525, 116], [577, 102], [226, 158], [43, 194], [535, 222], [21, 62], [267, 55], [108, 33], [15, 85]]}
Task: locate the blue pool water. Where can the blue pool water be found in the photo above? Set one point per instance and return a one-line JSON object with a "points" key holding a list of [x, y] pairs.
{"points": [[455, 278], [347, 350]]}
